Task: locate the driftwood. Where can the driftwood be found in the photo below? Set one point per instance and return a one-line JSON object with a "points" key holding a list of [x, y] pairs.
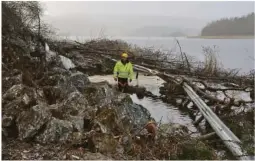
{"points": [[171, 66], [159, 62], [184, 55], [214, 99], [99, 50], [224, 89]]}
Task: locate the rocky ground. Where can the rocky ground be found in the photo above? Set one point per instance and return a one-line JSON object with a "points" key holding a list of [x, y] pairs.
{"points": [[51, 110]]}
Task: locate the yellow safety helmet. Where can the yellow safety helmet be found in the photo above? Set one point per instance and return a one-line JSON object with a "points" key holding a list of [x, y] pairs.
{"points": [[124, 55]]}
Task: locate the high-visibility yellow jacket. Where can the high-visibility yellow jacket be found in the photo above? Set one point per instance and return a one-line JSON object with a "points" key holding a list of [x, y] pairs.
{"points": [[123, 71]]}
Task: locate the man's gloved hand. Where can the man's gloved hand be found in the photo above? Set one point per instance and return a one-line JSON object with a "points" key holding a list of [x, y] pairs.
{"points": [[130, 80], [115, 79]]}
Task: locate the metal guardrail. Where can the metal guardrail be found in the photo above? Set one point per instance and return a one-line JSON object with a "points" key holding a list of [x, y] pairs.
{"points": [[226, 135], [229, 139]]}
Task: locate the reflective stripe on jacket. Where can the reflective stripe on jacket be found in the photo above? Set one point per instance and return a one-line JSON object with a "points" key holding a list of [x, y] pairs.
{"points": [[123, 71]]}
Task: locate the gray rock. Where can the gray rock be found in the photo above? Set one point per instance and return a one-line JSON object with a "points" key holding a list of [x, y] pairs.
{"points": [[99, 94], [67, 63], [116, 111], [14, 92], [53, 95], [7, 121], [11, 81], [79, 80], [77, 122], [58, 70], [76, 138], [75, 105], [29, 122], [56, 131], [84, 63], [18, 98], [132, 115], [20, 91], [107, 121], [14, 107], [72, 82], [121, 115]]}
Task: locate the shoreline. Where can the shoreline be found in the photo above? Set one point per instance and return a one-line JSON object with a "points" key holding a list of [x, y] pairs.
{"points": [[221, 37], [87, 38]]}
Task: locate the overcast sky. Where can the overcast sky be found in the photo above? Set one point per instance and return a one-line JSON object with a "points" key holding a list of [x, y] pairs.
{"points": [[130, 17], [197, 9]]}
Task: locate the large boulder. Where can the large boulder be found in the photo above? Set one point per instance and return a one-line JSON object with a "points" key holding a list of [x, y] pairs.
{"points": [[115, 110], [55, 131], [108, 121], [79, 80], [100, 94], [73, 82], [51, 79], [11, 81], [18, 98], [75, 105], [17, 91], [31, 121], [121, 116], [53, 95], [86, 63], [131, 114], [77, 122], [7, 120]]}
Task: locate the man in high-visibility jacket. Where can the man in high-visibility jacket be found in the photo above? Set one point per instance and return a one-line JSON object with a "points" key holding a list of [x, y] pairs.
{"points": [[122, 71]]}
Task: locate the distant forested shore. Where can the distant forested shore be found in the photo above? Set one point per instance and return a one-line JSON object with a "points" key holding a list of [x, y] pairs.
{"points": [[223, 37], [236, 27]]}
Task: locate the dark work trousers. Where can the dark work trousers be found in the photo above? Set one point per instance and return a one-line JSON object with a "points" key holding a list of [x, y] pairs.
{"points": [[122, 83]]}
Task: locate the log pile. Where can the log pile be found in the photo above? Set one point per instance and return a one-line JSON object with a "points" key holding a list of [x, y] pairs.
{"points": [[179, 64]]}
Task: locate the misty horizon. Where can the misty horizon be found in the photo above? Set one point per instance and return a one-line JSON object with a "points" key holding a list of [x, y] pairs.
{"points": [[131, 18]]}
